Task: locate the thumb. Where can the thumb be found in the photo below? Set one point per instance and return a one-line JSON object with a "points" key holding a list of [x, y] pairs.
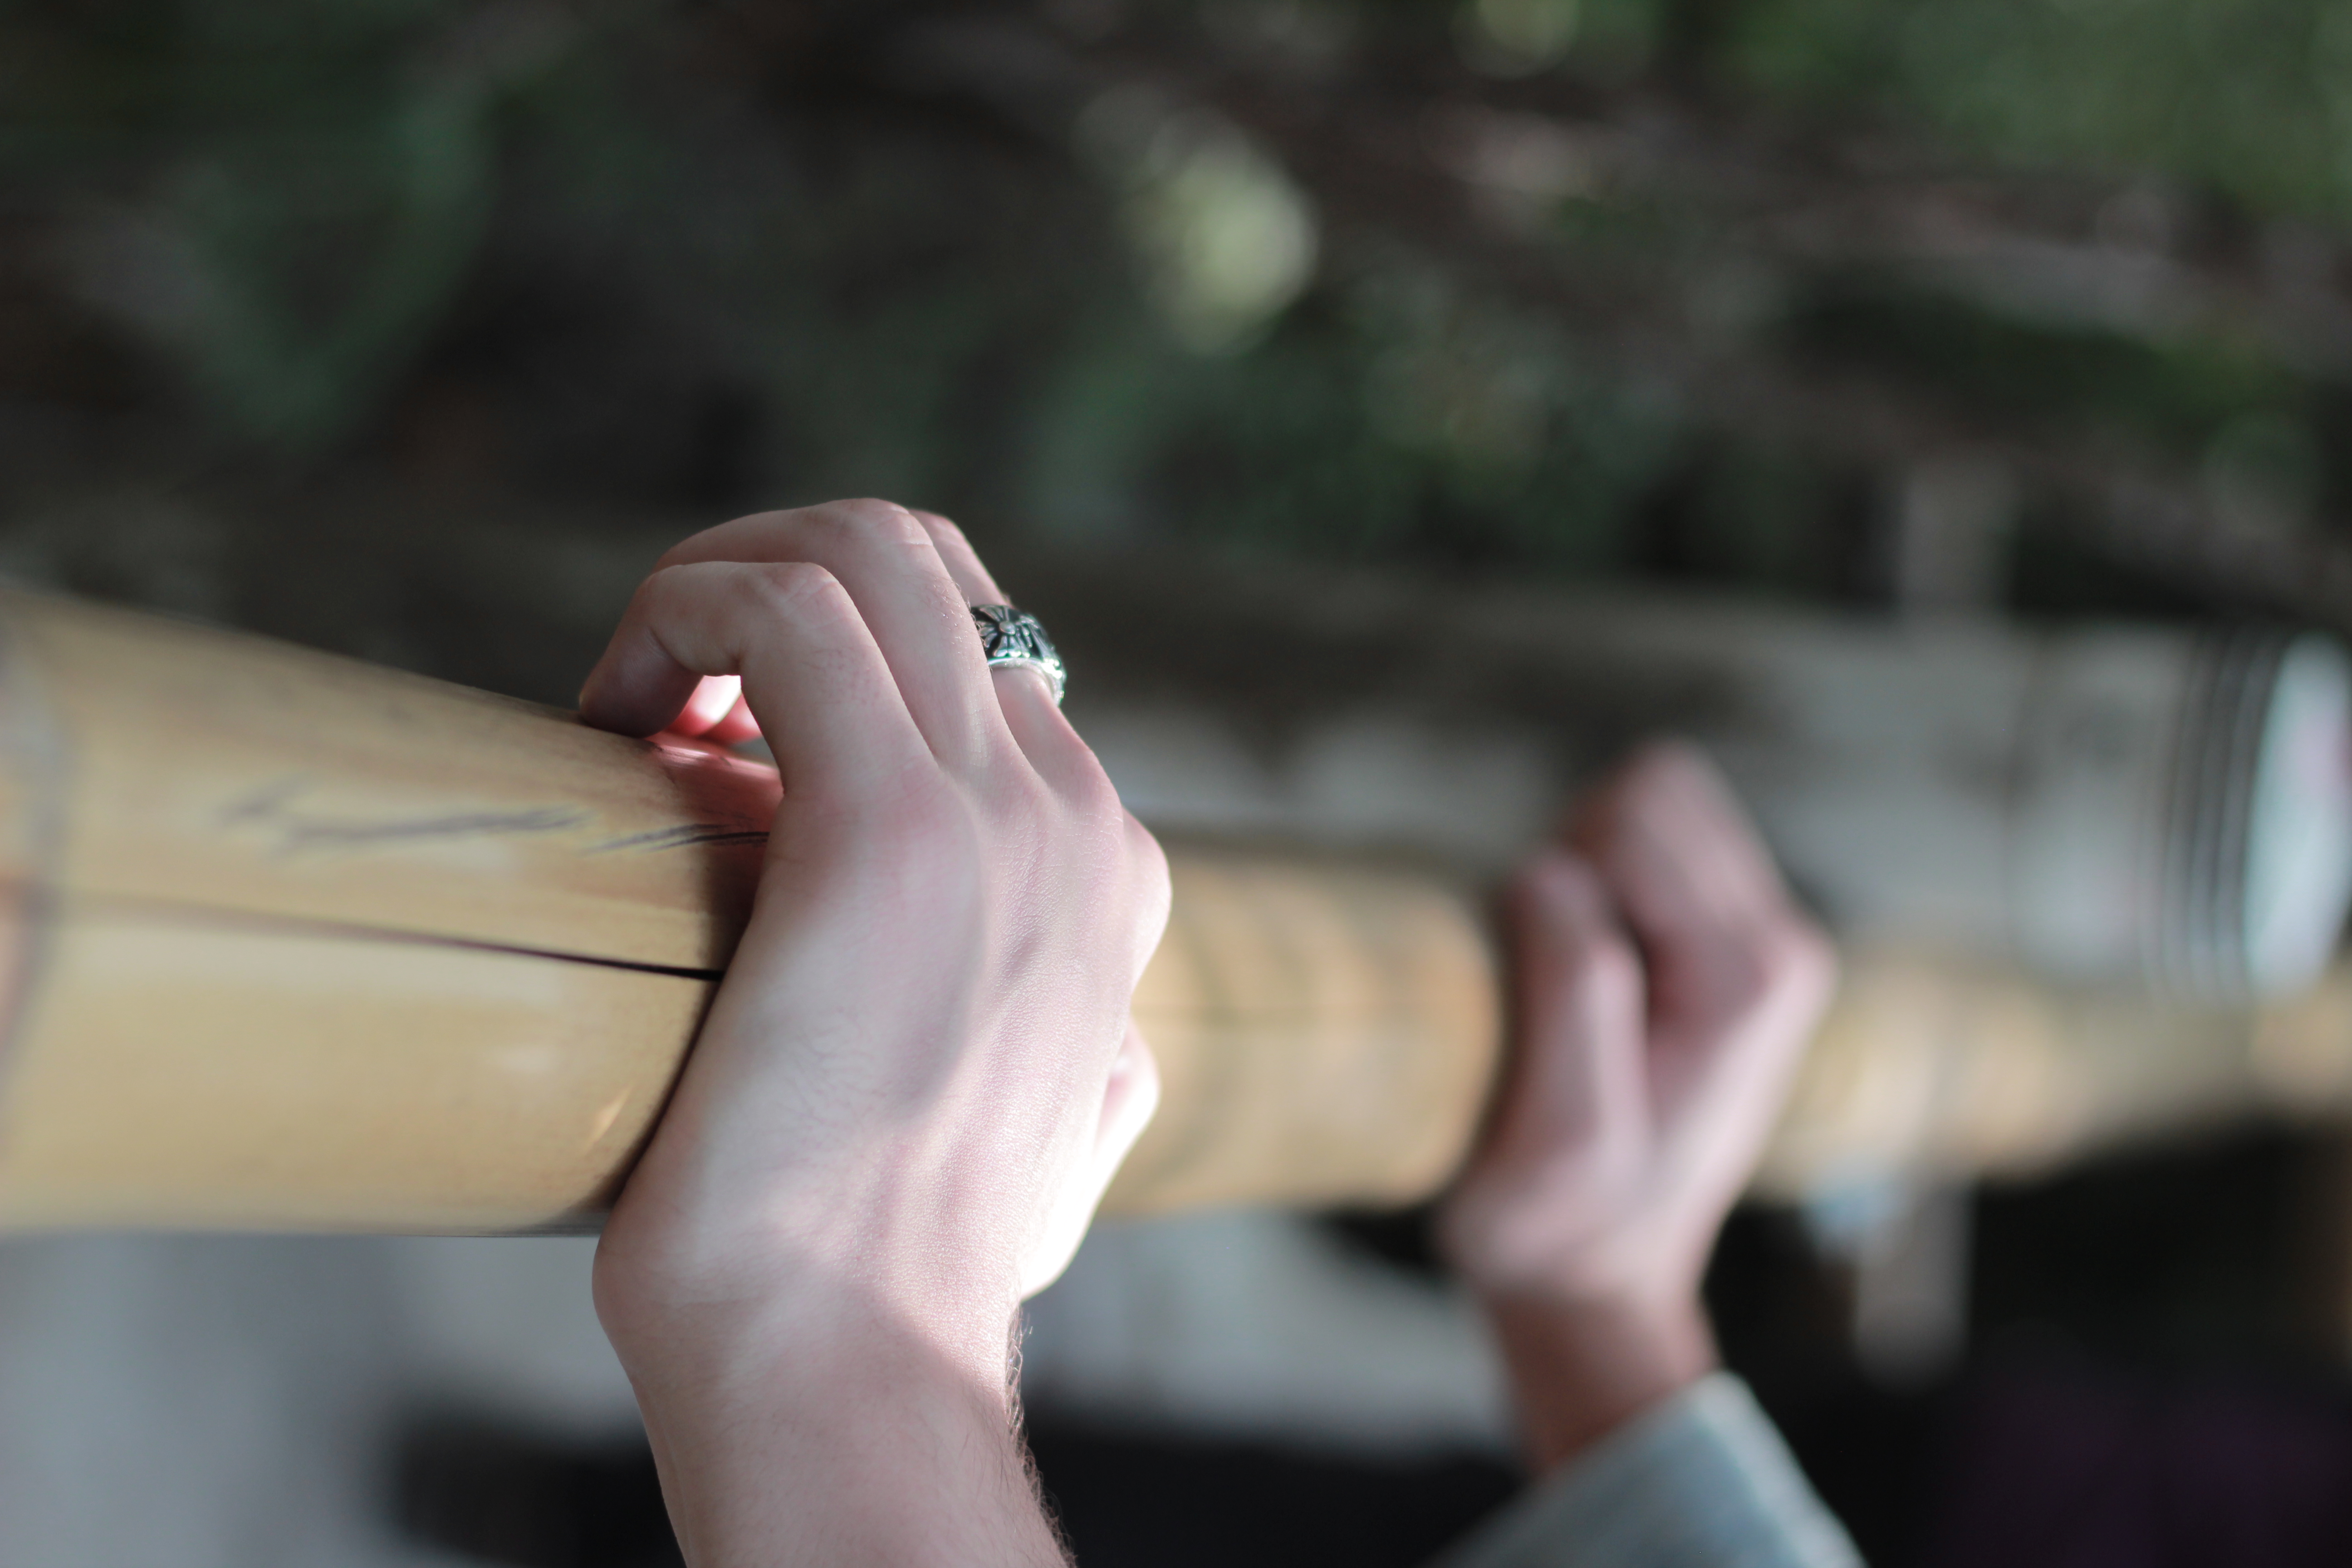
{"points": [[1581, 1076], [1131, 1096]]}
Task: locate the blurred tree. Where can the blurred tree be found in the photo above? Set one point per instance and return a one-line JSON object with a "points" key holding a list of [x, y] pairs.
{"points": [[1690, 286]]}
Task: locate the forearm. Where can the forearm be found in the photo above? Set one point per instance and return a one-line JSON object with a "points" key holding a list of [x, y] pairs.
{"points": [[1666, 988], [865, 1448]]}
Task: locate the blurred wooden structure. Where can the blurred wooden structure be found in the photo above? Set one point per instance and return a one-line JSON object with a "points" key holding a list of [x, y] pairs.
{"points": [[1930, 1068]]}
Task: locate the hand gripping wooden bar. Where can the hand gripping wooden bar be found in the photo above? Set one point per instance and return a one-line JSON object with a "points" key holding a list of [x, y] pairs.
{"points": [[291, 942]]}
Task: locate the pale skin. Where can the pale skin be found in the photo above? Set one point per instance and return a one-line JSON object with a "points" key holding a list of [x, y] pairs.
{"points": [[919, 1074], [1666, 988]]}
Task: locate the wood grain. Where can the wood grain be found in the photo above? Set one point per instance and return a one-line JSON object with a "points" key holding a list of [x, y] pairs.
{"points": [[245, 1075], [288, 941], [305, 943], [213, 771], [1328, 1032]]}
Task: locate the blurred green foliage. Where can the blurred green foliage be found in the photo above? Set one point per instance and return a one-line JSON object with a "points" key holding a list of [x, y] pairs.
{"points": [[699, 256], [2251, 98], [259, 196]]}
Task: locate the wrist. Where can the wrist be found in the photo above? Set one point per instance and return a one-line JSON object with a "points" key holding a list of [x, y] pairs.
{"points": [[707, 1268], [1582, 1367], [866, 1440], [775, 1320]]}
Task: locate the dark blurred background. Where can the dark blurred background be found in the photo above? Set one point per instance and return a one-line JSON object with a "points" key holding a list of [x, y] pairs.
{"points": [[414, 329], [1695, 289]]}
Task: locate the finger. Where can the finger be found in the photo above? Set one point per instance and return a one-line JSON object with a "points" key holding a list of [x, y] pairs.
{"points": [[1626, 827], [893, 573], [736, 726], [1684, 868], [1737, 973], [1669, 824], [812, 673], [1130, 1099], [1027, 695], [1045, 735], [1151, 894], [1696, 796], [1718, 1103], [714, 698], [963, 562], [718, 712], [1582, 1079]]}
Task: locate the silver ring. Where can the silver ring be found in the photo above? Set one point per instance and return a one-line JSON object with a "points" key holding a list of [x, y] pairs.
{"points": [[1012, 638]]}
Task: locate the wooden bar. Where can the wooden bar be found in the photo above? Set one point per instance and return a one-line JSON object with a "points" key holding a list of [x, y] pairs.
{"points": [[291, 943], [302, 943], [1328, 1032], [1326, 1035], [152, 762], [236, 1075]]}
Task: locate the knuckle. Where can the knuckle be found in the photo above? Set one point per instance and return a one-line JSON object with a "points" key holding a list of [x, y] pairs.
{"points": [[1783, 961], [945, 529], [870, 518], [795, 587], [1745, 980], [667, 582], [714, 543], [675, 596], [1095, 836], [1093, 845], [1092, 794]]}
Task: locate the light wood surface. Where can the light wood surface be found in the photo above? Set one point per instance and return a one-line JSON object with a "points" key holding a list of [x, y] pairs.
{"points": [[288, 941], [303, 943], [229, 1074], [1936, 1067], [1325, 1035], [1326, 1032], [219, 773]]}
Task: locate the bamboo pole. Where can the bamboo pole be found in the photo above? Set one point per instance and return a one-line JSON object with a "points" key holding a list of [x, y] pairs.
{"points": [[288, 941], [158, 763], [298, 943]]}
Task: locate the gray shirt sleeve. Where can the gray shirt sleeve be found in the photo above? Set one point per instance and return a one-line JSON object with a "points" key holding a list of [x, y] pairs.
{"points": [[1701, 1481]]}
